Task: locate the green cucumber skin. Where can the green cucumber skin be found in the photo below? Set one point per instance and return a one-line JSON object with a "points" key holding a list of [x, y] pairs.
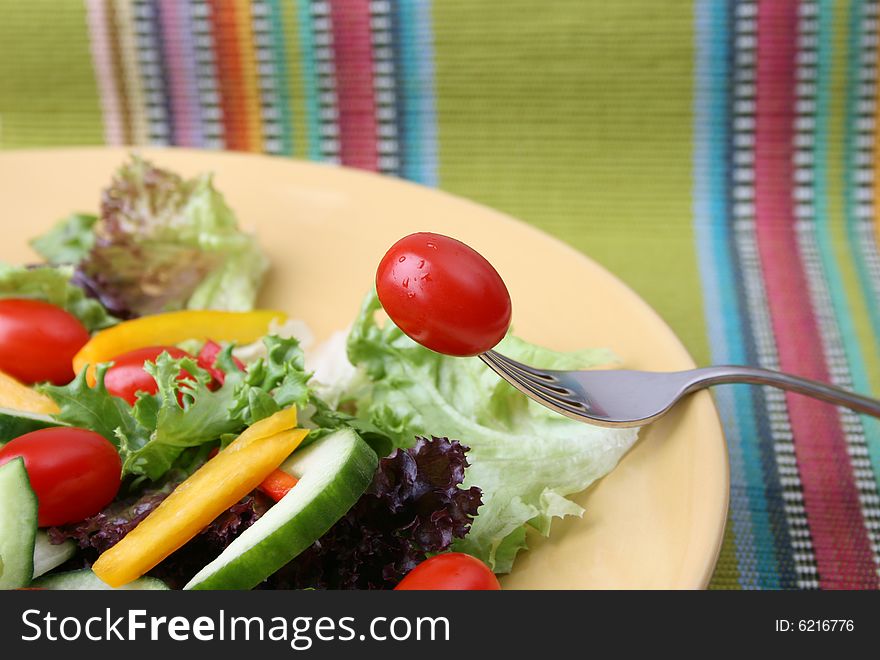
{"points": [[308, 525], [14, 423], [86, 580], [18, 526]]}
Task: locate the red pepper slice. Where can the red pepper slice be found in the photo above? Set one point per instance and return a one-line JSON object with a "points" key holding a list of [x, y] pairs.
{"points": [[277, 484]]}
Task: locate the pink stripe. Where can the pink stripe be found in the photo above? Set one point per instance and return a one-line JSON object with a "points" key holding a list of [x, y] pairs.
{"points": [[181, 74], [353, 56], [830, 496], [102, 57]]}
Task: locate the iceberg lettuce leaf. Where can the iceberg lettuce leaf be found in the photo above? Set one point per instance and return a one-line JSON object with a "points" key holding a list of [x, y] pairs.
{"points": [[525, 458], [69, 241]]}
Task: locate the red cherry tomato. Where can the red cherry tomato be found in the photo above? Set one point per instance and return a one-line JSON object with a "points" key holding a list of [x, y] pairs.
{"points": [[453, 571], [207, 359], [443, 294], [38, 341], [127, 376], [74, 472]]}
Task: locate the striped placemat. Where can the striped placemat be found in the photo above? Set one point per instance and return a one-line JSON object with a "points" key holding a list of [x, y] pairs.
{"points": [[718, 155]]}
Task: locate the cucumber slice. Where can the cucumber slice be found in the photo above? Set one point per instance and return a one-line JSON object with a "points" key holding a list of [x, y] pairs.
{"points": [[18, 525], [86, 580], [334, 472], [48, 556], [14, 423]]}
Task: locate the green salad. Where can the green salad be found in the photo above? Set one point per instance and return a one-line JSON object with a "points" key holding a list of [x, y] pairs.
{"points": [[159, 430]]}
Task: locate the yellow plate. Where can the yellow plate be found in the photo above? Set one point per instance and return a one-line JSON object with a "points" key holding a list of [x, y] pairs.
{"points": [[655, 522]]}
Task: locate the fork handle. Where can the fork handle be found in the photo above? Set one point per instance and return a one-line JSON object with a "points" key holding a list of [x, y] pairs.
{"points": [[728, 374]]}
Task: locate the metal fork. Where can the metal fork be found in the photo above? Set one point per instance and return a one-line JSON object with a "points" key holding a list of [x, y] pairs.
{"points": [[620, 398]]}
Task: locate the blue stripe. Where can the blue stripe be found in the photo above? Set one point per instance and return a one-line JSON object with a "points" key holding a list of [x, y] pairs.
{"points": [[763, 543], [417, 120], [310, 79], [710, 220]]}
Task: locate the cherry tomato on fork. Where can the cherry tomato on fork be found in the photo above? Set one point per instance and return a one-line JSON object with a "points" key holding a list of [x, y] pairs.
{"points": [[127, 376], [452, 571], [443, 294], [38, 341], [74, 472]]}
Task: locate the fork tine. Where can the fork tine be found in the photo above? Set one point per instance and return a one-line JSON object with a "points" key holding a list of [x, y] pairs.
{"points": [[523, 368], [539, 378], [535, 390]]}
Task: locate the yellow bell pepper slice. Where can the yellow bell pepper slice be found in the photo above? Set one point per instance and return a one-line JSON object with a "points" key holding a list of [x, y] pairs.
{"points": [[211, 490], [173, 328], [17, 396], [283, 420]]}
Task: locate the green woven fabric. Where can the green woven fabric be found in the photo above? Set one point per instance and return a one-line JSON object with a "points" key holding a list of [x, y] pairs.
{"points": [[47, 86], [520, 133]]}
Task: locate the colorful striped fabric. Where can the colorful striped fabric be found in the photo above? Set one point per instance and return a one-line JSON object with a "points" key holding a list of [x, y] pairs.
{"points": [[785, 224], [718, 155]]}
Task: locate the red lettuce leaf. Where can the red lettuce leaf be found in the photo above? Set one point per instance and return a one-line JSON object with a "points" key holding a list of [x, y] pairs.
{"points": [[105, 529], [163, 243], [415, 507]]}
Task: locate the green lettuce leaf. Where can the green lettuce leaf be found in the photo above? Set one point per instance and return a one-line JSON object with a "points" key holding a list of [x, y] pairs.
{"points": [[525, 458], [322, 420], [154, 435], [53, 285], [165, 243], [92, 407], [165, 427], [69, 241], [272, 383]]}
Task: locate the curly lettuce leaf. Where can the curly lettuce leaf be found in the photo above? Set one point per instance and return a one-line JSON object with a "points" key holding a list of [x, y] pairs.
{"points": [[271, 383], [153, 436], [92, 407], [69, 241], [525, 458], [164, 243], [53, 285], [171, 427]]}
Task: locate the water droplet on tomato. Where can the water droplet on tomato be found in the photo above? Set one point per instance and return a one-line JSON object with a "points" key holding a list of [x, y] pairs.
{"points": [[421, 263], [405, 282], [410, 294], [402, 259], [432, 246]]}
